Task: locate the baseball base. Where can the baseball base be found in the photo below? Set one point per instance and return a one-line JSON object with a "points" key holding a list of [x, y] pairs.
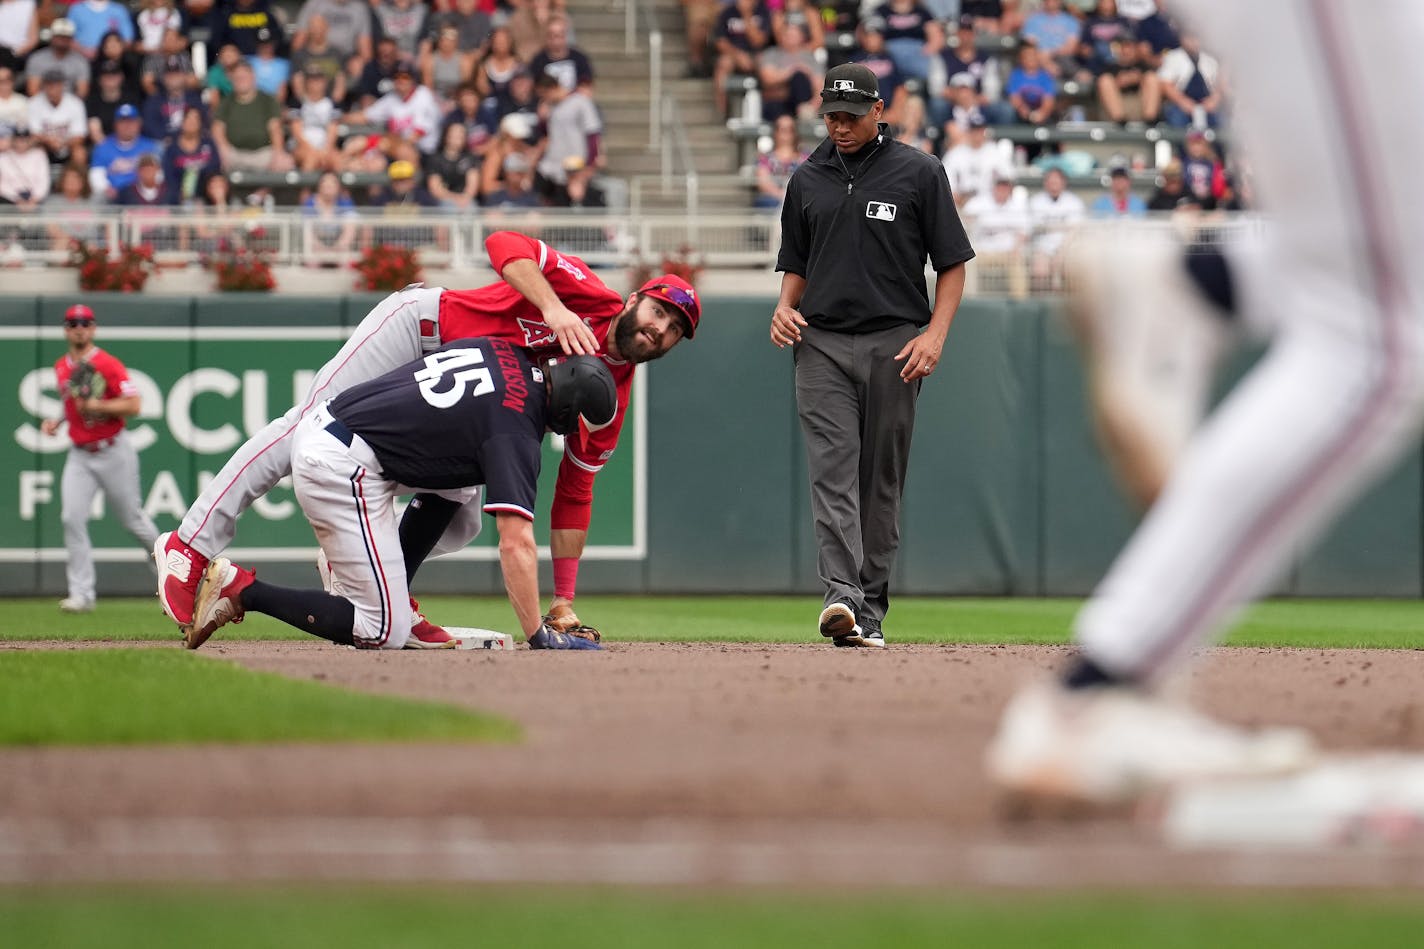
{"points": [[472, 637]]}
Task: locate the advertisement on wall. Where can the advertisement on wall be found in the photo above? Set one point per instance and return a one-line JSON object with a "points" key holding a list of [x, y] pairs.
{"points": [[205, 390]]}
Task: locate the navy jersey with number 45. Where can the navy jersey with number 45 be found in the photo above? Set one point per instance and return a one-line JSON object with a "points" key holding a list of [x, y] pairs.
{"points": [[472, 412]]}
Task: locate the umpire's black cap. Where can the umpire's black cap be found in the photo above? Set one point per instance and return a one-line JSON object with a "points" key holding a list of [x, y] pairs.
{"points": [[849, 87], [582, 396]]}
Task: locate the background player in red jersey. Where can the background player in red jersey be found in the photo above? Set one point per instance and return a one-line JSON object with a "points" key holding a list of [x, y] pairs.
{"points": [[98, 397], [547, 302]]}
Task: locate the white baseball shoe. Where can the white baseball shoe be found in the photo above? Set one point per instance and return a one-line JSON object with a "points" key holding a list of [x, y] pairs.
{"points": [[1151, 342], [73, 604], [1107, 747]]}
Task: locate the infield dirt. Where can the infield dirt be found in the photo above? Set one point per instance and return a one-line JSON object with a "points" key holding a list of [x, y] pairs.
{"points": [[672, 763]]}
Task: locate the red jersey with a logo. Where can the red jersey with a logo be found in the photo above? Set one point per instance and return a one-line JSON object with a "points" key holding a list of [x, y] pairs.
{"points": [[501, 311], [84, 430]]}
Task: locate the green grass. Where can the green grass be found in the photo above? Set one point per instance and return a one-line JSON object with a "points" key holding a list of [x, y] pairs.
{"points": [[118, 696], [393, 917], [1307, 623]]}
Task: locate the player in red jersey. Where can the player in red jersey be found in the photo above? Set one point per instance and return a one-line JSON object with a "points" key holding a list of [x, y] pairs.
{"points": [[549, 302], [99, 398]]}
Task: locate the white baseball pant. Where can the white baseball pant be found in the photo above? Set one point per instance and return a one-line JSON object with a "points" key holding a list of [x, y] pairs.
{"points": [[349, 505], [1327, 102]]}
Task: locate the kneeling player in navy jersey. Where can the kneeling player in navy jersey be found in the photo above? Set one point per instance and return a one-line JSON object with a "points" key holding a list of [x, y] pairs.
{"points": [[473, 412]]}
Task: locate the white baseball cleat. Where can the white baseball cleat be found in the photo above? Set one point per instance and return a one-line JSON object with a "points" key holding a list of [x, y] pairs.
{"points": [[1107, 747], [1151, 342], [72, 604]]}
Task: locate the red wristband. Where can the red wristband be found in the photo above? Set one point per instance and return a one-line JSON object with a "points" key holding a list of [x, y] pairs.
{"points": [[565, 577]]}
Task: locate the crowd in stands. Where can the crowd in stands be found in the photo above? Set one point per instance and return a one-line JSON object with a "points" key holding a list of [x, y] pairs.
{"points": [[454, 104], [952, 71]]}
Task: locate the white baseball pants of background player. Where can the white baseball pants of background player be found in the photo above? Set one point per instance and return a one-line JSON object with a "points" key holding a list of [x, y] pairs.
{"points": [[113, 470], [387, 337], [1328, 109], [348, 503]]}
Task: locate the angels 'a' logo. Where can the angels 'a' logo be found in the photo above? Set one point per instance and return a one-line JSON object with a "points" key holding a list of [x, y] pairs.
{"points": [[536, 333]]}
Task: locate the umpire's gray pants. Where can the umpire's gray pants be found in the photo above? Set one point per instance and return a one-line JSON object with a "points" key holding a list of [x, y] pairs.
{"points": [[857, 415], [113, 470]]}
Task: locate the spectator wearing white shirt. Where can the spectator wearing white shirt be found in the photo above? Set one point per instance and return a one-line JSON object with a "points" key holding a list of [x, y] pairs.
{"points": [[408, 112], [24, 170], [972, 164], [1054, 212], [1190, 81], [998, 224], [155, 19], [58, 121], [19, 31], [14, 105]]}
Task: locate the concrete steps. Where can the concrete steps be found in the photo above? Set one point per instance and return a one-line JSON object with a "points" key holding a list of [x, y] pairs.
{"points": [[622, 90]]}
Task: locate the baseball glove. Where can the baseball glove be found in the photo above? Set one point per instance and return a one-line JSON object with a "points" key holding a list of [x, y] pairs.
{"points": [[83, 382], [563, 619]]}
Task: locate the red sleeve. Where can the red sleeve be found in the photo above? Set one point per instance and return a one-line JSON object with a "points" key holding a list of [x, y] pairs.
{"points": [[504, 246], [573, 491], [115, 376]]}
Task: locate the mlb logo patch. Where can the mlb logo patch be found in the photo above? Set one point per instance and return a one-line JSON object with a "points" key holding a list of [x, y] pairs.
{"points": [[880, 211]]}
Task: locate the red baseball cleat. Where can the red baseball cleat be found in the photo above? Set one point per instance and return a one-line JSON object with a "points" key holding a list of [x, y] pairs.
{"points": [[180, 567], [425, 634]]}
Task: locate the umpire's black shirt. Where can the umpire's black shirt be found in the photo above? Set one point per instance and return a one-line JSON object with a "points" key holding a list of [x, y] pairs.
{"points": [[859, 228]]}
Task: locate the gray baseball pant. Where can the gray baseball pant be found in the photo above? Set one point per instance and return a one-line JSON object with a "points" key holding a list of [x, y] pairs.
{"points": [[113, 470], [857, 416]]}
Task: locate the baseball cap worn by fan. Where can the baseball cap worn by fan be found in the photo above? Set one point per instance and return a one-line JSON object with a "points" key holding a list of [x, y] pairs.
{"points": [[401, 170], [851, 88], [126, 111], [671, 288], [61, 27]]}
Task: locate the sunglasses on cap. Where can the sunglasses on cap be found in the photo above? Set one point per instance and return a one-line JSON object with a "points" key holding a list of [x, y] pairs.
{"points": [[848, 95], [75, 324], [674, 295]]}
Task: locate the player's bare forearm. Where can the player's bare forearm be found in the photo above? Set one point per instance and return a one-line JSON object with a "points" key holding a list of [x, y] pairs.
{"points": [[519, 561], [122, 407], [524, 275]]}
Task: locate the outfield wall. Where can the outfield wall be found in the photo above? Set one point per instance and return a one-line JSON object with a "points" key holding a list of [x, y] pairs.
{"points": [[707, 493]]}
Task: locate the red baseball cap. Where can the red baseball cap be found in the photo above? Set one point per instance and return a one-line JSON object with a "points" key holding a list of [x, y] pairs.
{"points": [[79, 312], [673, 289]]}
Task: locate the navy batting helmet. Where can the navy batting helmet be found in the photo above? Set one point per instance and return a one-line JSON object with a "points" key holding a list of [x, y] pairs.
{"points": [[582, 395]]}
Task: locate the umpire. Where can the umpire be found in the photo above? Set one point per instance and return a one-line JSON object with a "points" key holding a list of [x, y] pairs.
{"points": [[860, 218]]}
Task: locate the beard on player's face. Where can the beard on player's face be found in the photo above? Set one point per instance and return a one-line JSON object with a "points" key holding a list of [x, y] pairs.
{"points": [[636, 335]]}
